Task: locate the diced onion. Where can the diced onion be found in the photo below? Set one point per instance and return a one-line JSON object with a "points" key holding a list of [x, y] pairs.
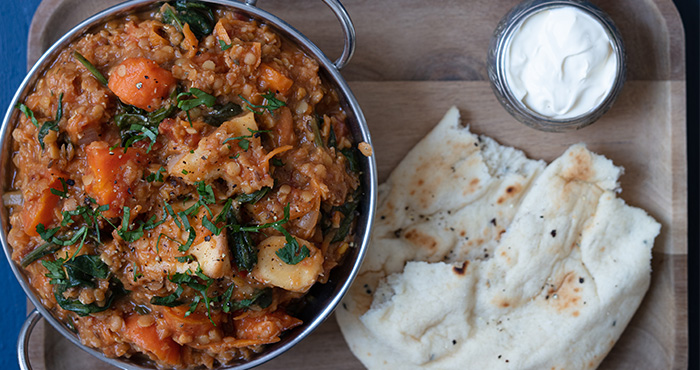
{"points": [[12, 199]]}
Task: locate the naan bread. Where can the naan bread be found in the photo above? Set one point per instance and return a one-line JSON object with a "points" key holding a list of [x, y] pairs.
{"points": [[484, 259]]}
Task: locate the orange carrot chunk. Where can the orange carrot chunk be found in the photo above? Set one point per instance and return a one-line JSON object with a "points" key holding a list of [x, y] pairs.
{"points": [[274, 79], [106, 181], [166, 350], [191, 41], [141, 83], [40, 210], [265, 328], [195, 324]]}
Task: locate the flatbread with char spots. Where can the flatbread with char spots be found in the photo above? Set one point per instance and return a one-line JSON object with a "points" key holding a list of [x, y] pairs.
{"points": [[556, 267]]}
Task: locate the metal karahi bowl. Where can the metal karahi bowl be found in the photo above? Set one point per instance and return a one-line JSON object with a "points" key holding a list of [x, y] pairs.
{"points": [[325, 296]]}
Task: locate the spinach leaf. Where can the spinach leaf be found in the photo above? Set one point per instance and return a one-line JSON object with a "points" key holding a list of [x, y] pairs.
{"points": [[351, 156], [332, 140], [81, 271], [244, 252], [222, 113], [171, 300], [253, 197], [349, 211], [135, 124], [261, 298], [196, 97], [198, 15]]}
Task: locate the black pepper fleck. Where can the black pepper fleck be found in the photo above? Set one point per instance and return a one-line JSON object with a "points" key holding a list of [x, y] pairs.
{"points": [[580, 280], [554, 233]]}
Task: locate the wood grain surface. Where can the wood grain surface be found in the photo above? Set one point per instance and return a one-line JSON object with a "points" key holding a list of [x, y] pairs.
{"points": [[414, 60]]}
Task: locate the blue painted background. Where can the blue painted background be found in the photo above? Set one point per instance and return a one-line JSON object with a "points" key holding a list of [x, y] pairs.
{"points": [[16, 15]]}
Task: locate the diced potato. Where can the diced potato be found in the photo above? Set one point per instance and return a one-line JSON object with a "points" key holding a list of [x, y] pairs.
{"points": [[271, 270], [244, 168], [213, 256]]}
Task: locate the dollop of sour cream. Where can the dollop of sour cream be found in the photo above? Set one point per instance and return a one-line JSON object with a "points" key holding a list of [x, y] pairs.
{"points": [[560, 62]]}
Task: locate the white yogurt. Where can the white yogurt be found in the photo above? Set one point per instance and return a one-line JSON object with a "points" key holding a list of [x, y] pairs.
{"points": [[560, 62]]}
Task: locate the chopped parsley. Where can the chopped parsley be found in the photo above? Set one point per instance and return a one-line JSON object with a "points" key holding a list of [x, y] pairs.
{"points": [[191, 280], [61, 193], [156, 176], [46, 126], [272, 103], [194, 98], [90, 67], [28, 113], [224, 45], [243, 141], [291, 253]]}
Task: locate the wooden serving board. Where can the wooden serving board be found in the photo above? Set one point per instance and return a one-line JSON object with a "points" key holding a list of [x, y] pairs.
{"points": [[417, 58]]}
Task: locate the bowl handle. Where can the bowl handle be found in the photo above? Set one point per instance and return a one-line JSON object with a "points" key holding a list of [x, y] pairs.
{"points": [[345, 23], [23, 342], [348, 31]]}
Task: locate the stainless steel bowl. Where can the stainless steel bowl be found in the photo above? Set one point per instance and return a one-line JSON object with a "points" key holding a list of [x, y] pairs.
{"points": [[496, 65], [326, 296]]}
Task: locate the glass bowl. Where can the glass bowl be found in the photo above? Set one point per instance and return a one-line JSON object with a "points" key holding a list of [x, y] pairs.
{"points": [[496, 65]]}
